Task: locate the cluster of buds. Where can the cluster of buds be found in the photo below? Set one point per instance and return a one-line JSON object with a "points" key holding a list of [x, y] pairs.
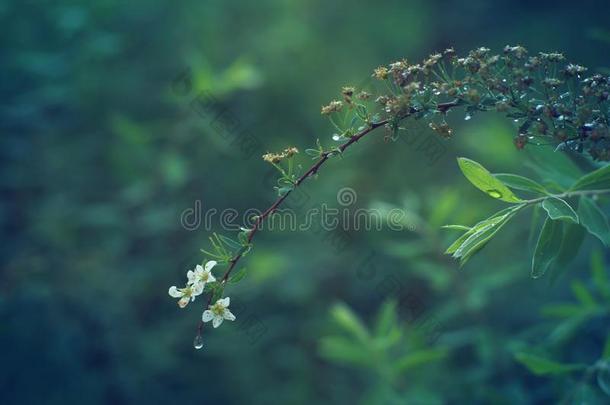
{"points": [[542, 93], [332, 107], [278, 157]]}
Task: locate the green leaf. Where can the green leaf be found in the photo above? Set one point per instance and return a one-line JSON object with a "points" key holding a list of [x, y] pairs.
{"points": [[238, 275], [350, 322], [243, 235], [386, 319], [582, 294], [520, 183], [342, 350], [599, 274], [547, 248], [418, 358], [482, 179], [559, 209], [457, 227], [483, 232], [596, 180], [232, 244], [594, 219], [542, 366], [573, 236], [459, 241]]}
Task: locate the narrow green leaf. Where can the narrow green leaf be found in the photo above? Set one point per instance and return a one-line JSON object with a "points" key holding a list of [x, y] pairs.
{"points": [[457, 227], [542, 366], [547, 247], [517, 182], [554, 168], [344, 316], [418, 358], [573, 236], [386, 319], [538, 218], [238, 276], [344, 351], [478, 239], [596, 180], [482, 179], [459, 241], [493, 219], [232, 244], [559, 209], [599, 274], [582, 294], [594, 219]]}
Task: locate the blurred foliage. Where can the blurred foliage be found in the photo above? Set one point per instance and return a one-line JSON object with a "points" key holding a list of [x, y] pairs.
{"points": [[100, 156]]}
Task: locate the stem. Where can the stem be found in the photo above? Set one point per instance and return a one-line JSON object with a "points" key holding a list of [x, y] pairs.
{"points": [[443, 107], [567, 194]]}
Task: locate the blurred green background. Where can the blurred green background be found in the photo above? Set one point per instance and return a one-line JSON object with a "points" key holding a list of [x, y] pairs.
{"points": [[102, 151]]}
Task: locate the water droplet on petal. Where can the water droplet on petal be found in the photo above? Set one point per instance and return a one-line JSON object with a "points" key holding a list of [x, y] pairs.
{"points": [[198, 342], [494, 193]]}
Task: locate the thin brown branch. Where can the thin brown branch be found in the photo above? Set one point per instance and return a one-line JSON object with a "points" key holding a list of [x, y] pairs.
{"points": [[444, 107]]}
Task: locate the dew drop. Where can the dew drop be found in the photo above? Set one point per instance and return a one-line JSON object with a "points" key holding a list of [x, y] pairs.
{"points": [[494, 193], [198, 342]]}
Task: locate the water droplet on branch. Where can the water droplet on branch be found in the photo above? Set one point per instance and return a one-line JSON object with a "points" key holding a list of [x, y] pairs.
{"points": [[198, 342]]}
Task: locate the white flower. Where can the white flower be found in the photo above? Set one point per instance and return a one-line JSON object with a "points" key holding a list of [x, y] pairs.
{"points": [[200, 276], [218, 312], [185, 294]]}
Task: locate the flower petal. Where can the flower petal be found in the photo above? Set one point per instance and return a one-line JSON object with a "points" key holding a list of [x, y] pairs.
{"points": [[182, 302], [228, 315], [190, 275], [198, 270], [174, 292], [217, 321], [211, 278], [225, 301], [207, 316], [198, 288], [210, 265]]}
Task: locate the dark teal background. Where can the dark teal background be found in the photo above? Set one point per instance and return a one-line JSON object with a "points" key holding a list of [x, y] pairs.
{"points": [[100, 154]]}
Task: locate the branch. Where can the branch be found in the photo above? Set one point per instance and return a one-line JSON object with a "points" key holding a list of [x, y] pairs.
{"points": [[443, 107]]}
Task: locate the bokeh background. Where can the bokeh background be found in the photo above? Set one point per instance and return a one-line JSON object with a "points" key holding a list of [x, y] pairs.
{"points": [[102, 151]]}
